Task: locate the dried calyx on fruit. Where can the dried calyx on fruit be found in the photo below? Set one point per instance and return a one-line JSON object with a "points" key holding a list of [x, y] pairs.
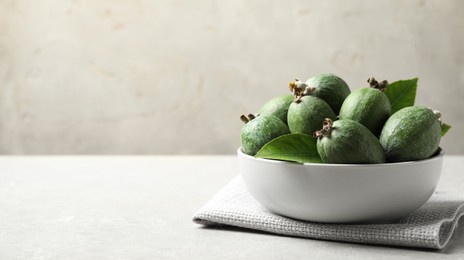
{"points": [[382, 85], [299, 89], [326, 128], [247, 118]]}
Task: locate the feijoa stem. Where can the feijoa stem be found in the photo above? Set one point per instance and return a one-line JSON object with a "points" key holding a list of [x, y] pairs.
{"points": [[245, 119], [299, 89], [326, 128], [438, 115], [377, 85]]}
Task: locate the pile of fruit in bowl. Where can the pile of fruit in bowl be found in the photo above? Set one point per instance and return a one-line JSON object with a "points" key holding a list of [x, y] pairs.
{"points": [[328, 154]]}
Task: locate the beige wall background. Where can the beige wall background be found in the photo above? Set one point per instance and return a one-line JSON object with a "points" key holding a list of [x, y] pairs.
{"points": [[173, 77]]}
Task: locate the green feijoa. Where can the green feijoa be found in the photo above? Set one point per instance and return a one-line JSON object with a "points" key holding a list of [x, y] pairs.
{"points": [[259, 130], [347, 141], [306, 114], [412, 133], [329, 87], [368, 106], [277, 106]]}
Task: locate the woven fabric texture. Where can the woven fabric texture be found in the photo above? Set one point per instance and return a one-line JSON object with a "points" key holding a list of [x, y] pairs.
{"points": [[429, 227]]}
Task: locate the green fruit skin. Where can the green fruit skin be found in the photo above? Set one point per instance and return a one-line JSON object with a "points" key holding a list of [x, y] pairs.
{"points": [[412, 133], [350, 142], [259, 131], [368, 106], [306, 116], [331, 88], [278, 107]]}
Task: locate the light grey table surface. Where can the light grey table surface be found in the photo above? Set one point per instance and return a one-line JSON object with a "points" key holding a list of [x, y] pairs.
{"points": [[140, 207]]}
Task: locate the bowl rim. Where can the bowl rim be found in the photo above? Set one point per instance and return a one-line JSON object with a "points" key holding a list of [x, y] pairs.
{"points": [[439, 154]]}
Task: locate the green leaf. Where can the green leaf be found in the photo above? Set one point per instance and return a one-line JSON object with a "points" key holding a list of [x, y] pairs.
{"points": [[402, 93], [444, 129], [299, 148]]}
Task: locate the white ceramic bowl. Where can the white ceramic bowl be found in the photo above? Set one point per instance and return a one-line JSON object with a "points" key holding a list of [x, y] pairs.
{"points": [[340, 193]]}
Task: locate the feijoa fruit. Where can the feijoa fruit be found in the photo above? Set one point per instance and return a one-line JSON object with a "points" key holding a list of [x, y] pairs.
{"points": [[412, 133], [259, 130], [306, 114], [277, 106], [329, 87], [347, 141], [368, 106]]}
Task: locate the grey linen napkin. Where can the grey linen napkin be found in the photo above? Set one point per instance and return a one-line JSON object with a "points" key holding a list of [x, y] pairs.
{"points": [[431, 226]]}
